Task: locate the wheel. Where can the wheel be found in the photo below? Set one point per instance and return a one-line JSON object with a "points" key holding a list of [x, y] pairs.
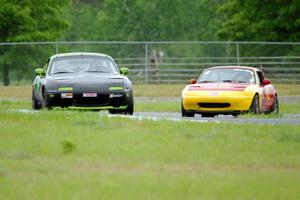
{"points": [[254, 108], [184, 113], [275, 106], [130, 107], [128, 110], [46, 101], [111, 111], [36, 105], [235, 115], [208, 115]]}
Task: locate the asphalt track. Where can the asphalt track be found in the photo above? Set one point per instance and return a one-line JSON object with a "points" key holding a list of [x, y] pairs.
{"points": [[286, 119]]}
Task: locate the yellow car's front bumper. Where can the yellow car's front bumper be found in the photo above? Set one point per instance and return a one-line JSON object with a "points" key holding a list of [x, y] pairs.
{"points": [[216, 101]]}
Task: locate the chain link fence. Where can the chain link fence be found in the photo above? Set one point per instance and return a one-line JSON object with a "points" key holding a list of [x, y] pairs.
{"points": [[159, 62]]}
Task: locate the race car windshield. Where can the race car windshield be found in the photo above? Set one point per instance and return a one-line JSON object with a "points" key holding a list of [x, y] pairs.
{"points": [[227, 75], [83, 64]]}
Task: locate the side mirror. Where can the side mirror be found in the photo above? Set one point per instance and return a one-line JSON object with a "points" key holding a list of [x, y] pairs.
{"points": [[266, 82], [124, 70], [192, 81], [39, 71]]}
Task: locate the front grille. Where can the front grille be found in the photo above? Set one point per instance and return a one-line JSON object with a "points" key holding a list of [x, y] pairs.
{"points": [[214, 105], [100, 100]]}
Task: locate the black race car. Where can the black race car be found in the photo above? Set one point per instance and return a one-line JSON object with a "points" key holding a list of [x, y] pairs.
{"points": [[83, 80]]}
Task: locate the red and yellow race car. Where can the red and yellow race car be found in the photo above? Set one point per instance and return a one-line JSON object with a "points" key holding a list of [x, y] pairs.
{"points": [[229, 90]]}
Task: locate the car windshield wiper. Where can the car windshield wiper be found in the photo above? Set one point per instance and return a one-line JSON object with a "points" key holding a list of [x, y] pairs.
{"points": [[97, 71], [62, 72], [233, 81], [206, 81]]}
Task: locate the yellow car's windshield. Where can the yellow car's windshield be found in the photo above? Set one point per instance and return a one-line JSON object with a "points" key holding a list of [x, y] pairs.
{"points": [[227, 75]]}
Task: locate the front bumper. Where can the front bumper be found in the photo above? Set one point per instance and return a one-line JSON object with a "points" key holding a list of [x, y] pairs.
{"points": [[106, 100], [222, 103]]}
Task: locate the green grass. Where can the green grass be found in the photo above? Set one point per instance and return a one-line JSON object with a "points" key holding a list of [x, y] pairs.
{"points": [[140, 90], [291, 108], [164, 106], [63, 154]]}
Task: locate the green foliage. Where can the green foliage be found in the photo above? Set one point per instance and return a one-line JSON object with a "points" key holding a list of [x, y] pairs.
{"points": [[157, 20], [81, 28], [22, 60], [141, 20], [257, 20], [30, 20], [144, 20]]}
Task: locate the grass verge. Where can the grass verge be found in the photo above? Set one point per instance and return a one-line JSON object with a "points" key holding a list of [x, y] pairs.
{"points": [[84, 155]]}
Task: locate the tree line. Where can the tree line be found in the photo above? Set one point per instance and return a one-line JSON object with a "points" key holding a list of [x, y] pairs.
{"points": [[137, 20]]}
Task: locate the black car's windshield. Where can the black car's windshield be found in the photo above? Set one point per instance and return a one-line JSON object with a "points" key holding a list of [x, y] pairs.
{"points": [[82, 64], [227, 75]]}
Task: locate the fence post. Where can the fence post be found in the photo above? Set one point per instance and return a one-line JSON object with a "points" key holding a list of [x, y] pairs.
{"points": [[238, 53], [146, 63], [56, 48]]}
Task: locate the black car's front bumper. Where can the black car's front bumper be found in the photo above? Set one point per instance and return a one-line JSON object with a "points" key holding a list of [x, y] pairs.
{"points": [[108, 100]]}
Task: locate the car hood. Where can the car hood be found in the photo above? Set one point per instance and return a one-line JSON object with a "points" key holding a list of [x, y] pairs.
{"points": [[85, 82], [221, 86]]}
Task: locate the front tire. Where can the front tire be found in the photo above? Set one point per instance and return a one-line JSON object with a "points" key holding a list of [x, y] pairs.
{"points": [[128, 110], [184, 113], [46, 101], [275, 106], [254, 108], [130, 107], [208, 115], [36, 105], [235, 115], [111, 111]]}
